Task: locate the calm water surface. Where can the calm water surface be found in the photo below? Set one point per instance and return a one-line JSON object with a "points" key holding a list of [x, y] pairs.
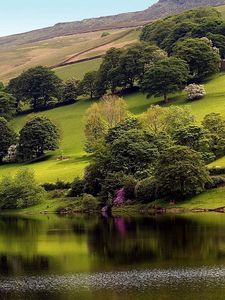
{"points": [[157, 257]]}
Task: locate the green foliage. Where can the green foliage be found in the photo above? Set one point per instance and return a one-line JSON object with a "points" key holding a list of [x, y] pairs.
{"points": [[202, 58], [146, 190], [7, 138], [104, 34], [20, 192], [167, 76], [181, 173], [34, 84], [89, 203], [196, 138], [215, 124], [59, 185], [77, 188], [37, 136], [7, 106], [71, 90], [88, 84], [195, 23]]}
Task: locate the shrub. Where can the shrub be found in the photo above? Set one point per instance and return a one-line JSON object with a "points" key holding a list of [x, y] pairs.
{"points": [[20, 192], [216, 181], [59, 185], [217, 170], [77, 188], [146, 190], [89, 202], [195, 91], [105, 34]]}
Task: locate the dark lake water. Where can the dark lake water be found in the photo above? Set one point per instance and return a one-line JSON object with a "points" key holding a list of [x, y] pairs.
{"points": [[85, 258]]}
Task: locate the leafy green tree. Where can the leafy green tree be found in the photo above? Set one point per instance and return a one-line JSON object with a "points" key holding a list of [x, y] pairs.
{"points": [[109, 76], [2, 87], [133, 62], [146, 190], [20, 191], [88, 84], [202, 58], [167, 76], [34, 84], [196, 138], [37, 136], [7, 106], [181, 173], [215, 124], [77, 188], [71, 90], [7, 138]]}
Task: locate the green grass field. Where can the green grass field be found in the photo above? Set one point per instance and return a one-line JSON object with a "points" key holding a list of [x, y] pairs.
{"points": [[70, 120], [78, 70]]}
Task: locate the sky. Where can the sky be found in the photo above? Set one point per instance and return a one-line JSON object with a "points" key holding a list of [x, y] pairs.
{"points": [[23, 15]]}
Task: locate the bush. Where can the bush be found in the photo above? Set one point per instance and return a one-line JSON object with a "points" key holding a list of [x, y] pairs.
{"points": [[105, 34], [59, 185], [216, 181], [147, 190], [89, 202], [77, 188], [217, 170], [195, 91], [129, 183], [20, 192]]}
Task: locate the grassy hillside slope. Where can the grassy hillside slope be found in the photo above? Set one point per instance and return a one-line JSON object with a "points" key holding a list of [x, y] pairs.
{"points": [[70, 119], [54, 51]]}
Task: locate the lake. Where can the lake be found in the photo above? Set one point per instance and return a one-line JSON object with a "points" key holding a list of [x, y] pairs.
{"points": [[95, 257]]}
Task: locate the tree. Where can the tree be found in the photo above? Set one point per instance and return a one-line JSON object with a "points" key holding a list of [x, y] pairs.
{"points": [[7, 106], [215, 124], [167, 76], [178, 117], [196, 138], [109, 76], [71, 90], [154, 119], [21, 191], [202, 58], [34, 84], [88, 84], [8, 138], [102, 116], [135, 60], [114, 110], [181, 173], [37, 136], [95, 127]]}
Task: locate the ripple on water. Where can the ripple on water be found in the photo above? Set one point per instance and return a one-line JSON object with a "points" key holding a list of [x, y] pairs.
{"points": [[119, 280]]}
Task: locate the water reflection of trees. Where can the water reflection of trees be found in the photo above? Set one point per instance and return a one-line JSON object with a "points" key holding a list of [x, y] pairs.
{"points": [[162, 238]]}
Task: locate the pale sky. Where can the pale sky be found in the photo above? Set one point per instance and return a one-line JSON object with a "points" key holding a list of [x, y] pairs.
{"points": [[23, 15]]}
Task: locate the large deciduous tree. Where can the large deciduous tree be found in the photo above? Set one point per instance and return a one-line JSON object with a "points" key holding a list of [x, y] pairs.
{"points": [[7, 106], [203, 59], [37, 136], [167, 76], [35, 84], [181, 173]]}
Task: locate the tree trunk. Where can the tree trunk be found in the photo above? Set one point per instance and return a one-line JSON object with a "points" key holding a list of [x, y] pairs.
{"points": [[166, 100]]}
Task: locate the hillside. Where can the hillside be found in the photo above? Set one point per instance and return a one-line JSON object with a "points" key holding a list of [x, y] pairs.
{"points": [[57, 50], [70, 119], [161, 9]]}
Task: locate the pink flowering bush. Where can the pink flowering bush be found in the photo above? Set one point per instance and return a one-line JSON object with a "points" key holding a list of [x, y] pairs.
{"points": [[120, 197]]}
